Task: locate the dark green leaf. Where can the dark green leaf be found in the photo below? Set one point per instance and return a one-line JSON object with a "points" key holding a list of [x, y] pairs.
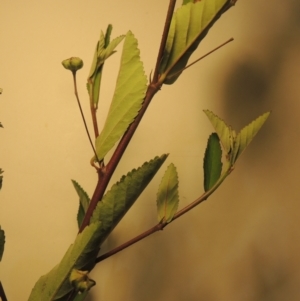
{"points": [[118, 200], [84, 202], [167, 196], [2, 242], [1, 178], [212, 164]]}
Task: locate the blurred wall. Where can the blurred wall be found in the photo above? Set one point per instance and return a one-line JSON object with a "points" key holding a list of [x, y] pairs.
{"points": [[243, 243]]}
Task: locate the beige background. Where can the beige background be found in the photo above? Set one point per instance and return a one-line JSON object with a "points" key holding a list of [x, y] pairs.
{"points": [[243, 244]]}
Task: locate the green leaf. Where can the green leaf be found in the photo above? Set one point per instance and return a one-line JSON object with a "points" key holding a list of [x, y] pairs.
{"points": [[128, 97], [192, 22], [81, 256], [225, 132], [84, 202], [167, 196], [2, 242], [212, 163], [122, 195], [245, 136]]}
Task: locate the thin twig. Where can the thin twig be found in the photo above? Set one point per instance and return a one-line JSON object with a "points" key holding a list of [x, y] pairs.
{"points": [[82, 115], [202, 57]]}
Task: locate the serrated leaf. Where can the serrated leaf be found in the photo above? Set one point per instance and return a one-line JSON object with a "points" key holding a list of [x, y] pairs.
{"points": [[245, 136], [225, 133], [212, 163], [2, 242], [127, 100], [122, 195], [193, 20], [81, 256], [84, 202], [167, 195]]}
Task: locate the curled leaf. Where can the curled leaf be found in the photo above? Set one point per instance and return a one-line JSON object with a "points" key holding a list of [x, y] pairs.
{"points": [[84, 202]]}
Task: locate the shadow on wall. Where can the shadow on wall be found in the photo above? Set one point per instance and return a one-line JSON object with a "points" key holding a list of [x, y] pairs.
{"points": [[264, 261]]}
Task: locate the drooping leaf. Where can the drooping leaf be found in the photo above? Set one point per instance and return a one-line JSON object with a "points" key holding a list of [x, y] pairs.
{"points": [[225, 132], [2, 242], [84, 202], [118, 200], [245, 136], [167, 195], [212, 163], [192, 22], [81, 256], [128, 97]]}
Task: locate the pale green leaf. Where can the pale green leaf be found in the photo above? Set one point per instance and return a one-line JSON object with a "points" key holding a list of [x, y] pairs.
{"points": [[167, 195], [81, 256], [212, 163], [192, 20], [118, 200], [225, 133], [84, 202], [246, 135], [128, 97], [2, 242]]}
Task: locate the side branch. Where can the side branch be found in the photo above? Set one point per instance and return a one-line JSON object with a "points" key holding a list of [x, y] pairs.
{"points": [[163, 224]]}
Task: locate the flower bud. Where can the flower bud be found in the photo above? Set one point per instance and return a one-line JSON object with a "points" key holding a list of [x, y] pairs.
{"points": [[73, 64]]}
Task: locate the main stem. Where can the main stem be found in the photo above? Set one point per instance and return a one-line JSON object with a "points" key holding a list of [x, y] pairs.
{"points": [[105, 173]]}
